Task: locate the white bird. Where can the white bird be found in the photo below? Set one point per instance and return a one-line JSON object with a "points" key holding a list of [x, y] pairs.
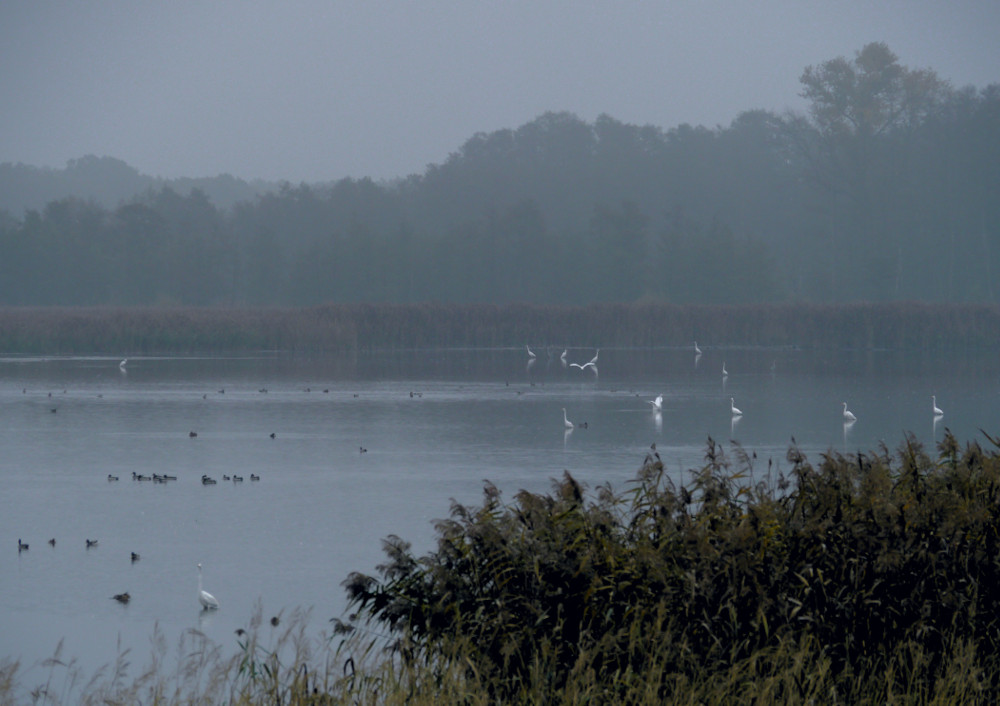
{"points": [[531, 354], [697, 350], [563, 356], [122, 364], [657, 403], [724, 373], [592, 363], [936, 409], [206, 599], [566, 422], [848, 415], [732, 406]]}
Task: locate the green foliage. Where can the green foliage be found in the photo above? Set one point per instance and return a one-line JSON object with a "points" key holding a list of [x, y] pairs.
{"points": [[874, 565]]}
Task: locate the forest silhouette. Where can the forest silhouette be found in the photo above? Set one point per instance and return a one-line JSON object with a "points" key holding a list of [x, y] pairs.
{"points": [[884, 191]]}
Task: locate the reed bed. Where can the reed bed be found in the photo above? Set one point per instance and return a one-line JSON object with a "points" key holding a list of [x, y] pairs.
{"points": [[868, 578], [351, 327]]}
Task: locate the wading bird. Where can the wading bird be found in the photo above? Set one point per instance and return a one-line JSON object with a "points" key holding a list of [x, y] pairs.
{"points": [[206, 599], [937, 410], [657, 403], [566, 422], [733, 409], [848, 415]]}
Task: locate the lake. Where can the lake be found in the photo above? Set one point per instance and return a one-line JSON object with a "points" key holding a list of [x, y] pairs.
{"points": [[433, 426]]}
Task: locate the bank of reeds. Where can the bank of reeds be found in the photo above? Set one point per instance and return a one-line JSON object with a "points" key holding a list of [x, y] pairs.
{"points": [[77, 331], [869, 578]]}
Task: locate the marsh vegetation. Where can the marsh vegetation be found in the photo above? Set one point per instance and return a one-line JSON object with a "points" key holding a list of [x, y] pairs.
{"points": [[865, 578]]}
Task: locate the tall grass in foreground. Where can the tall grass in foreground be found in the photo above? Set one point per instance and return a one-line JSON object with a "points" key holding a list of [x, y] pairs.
{"points": [[870, 578]]}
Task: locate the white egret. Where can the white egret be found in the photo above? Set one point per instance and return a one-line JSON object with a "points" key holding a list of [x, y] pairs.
{"points": [[657, 403], [935, 408], [206, 599], [848, 415], [563, 356], [530, 352], [725, 374], [732, 407], [122, 364], [697, 350], [566, 422]]}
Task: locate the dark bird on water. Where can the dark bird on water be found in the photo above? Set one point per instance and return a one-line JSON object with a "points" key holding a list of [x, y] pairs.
{"points": [[21, 546], [135, 557], [192, 434], [122, 597], [52, 542], [91, 543]]}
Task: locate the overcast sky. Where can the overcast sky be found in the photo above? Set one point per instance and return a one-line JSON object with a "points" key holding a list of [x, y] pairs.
{"points": [[313, 90]]}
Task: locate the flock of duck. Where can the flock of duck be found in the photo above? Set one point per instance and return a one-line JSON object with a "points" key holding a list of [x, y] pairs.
{"points": [[206, 599]]}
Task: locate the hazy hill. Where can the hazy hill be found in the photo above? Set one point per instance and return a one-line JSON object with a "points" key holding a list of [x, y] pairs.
{"points": [[108, 182]]}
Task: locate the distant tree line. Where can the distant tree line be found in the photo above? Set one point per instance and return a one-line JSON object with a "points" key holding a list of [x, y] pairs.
{"points": [[884, 191]]}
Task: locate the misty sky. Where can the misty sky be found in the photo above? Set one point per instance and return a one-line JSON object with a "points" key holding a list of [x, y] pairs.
{"points": [[314, 90]]}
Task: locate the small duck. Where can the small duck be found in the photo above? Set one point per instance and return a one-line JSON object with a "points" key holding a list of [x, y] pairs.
{"points": [[135, 557], [91, 543], [254, 476], [122, 598], [21, 546]]}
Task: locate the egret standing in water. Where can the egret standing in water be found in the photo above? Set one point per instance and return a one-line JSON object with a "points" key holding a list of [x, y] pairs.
{"points": [[848, 415], [206, 599], [733, 409], [657, 403], [697, 350], [531, 353], [725, 374], [566, 422], [937, 410]]}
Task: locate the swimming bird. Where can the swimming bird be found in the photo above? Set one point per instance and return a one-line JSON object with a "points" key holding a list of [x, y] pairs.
{"points": [[732, 407], [237, 479], [112, 478], [122, 597], [566, 422], [206, 599], [657, 403], [192, 434], [21, 546], [52, 542], [91, 543], [254, 477], [848, 415], [936, 410], [135, 557]]}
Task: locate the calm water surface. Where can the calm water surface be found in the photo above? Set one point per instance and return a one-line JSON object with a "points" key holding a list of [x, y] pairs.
{"points": [[435, 424]]}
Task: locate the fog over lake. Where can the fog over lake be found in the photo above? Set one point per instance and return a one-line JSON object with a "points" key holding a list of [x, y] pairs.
{"points": [[372, 445]]}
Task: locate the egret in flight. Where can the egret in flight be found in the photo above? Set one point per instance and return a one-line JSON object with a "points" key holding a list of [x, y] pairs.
{"points": [[206, 599], [848, 414]]}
